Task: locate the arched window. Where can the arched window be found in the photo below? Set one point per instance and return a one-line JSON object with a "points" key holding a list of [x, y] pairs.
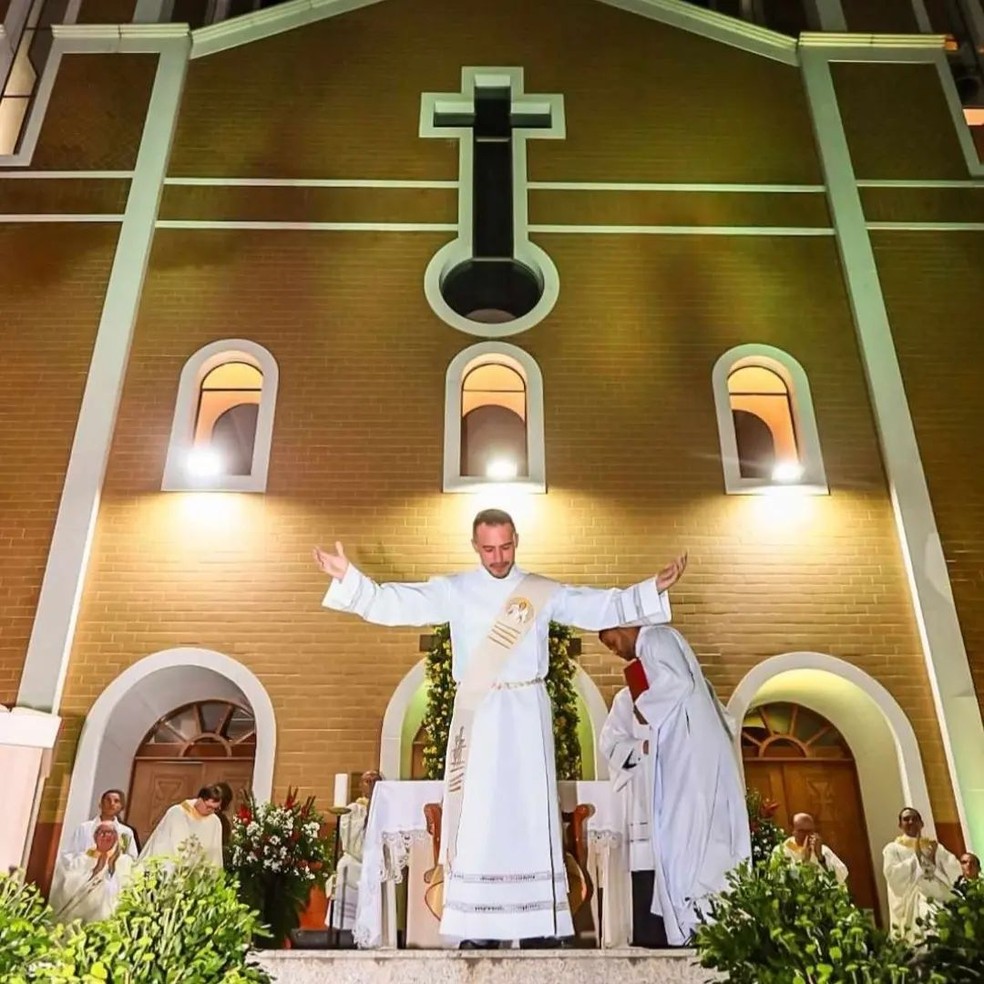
{"points": [[493, 422], [223, 420], [766, 423], [493, 426]]}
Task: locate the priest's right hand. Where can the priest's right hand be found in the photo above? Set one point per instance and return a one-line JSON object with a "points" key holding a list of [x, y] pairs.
{"points": [[333, 564]]}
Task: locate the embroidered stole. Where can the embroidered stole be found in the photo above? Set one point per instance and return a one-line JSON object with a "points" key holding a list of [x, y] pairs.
{"points": [[515, 619]]}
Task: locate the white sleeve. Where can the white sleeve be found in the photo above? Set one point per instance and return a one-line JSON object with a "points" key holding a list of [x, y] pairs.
{"points": [[947, 865], [671, 680], [594, 609], [617, 742], [422, 603], [160, 842], [835, 864], [901, 871]]}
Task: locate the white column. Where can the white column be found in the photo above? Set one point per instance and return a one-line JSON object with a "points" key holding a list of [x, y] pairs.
{"points": [[973, 11], [826, 15], [61, 588], [946, 657], [153, 11], [922, 17], [26, 740]]}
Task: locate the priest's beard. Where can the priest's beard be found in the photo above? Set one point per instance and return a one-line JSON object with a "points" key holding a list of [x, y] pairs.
{"points": [[499, 571]]}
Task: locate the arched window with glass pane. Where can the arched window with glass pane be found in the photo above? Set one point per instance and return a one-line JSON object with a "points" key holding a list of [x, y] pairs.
{"points": [[493, 419], [766, 422], [223, 420]]}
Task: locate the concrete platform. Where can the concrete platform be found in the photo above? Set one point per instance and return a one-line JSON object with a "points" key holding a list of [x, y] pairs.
{"points": [[628, 966]]}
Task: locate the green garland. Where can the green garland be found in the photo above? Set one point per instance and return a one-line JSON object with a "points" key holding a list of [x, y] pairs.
{"points": [[560, 687]]}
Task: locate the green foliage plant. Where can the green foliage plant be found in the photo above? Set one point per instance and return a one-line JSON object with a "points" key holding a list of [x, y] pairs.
{"points": [[560, 687]]}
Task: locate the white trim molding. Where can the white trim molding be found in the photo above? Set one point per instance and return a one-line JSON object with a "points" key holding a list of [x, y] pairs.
{"points": [[50, 644], [459, 250], [171, 672], [494, 353], [813, 479], [177, 477], [674, 13], [947, 665], [717, 27]]}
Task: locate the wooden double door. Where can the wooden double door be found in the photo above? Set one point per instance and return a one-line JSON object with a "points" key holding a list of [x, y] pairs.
{"points": [[829, 792], [797, 759], [158, 784]]}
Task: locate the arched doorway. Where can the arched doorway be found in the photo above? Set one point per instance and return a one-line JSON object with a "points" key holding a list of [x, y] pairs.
{"points": [[796, 758], [142, 696], [194, 745]]}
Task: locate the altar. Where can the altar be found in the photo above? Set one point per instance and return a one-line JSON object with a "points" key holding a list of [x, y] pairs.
{"points": [[398, 849]]}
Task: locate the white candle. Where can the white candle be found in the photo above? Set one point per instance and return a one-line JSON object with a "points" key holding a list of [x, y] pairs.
{"points": [[341, 789]]}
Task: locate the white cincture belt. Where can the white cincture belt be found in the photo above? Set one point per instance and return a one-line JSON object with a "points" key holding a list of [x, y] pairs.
{"points": [[515, 685]]}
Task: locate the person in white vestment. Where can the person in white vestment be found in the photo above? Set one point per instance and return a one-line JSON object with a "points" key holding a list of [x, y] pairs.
{"points": [[188, 824], [501, 836], [87, 884], [111, 806], [624, 742], [918, 872], [343, 886], [699, 821], [806, 846]]}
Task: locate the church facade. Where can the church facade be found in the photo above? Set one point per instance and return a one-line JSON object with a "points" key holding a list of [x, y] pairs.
{"points": [[647, 276]]}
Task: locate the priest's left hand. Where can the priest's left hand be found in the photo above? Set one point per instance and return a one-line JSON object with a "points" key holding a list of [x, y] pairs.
{"points": [[670, 574]]}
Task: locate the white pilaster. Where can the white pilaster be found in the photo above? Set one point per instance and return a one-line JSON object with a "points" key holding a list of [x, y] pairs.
{"points": [[153, 11], [826, 15], [946, 657], [61, 589]]}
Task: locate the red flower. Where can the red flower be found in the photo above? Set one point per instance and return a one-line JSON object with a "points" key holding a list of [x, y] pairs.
{"points": [[244, 814]]}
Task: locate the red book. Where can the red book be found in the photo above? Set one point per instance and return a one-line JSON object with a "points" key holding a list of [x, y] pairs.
{"points": [[635, 677]]}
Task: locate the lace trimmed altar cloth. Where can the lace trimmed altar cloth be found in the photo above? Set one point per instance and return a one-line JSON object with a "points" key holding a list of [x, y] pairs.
{"points": [[396, 832]]}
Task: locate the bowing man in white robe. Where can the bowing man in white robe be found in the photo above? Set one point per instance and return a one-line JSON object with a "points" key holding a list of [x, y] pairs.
{"points": [[343, 886], [111, 805], [918, 872], [86, 885], [189, 824], [507, 878], [806, 847], [624, 742], [700, 823]]}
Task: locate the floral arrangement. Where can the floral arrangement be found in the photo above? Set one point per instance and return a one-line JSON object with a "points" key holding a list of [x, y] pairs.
{"points": [[766, 833], [560, 687], [279, 853]]}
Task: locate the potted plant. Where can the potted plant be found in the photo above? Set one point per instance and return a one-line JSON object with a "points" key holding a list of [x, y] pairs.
{"points": [[278, 853]]}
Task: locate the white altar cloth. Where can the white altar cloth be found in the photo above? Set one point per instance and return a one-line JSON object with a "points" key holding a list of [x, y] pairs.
{"points": [[396, 821]]}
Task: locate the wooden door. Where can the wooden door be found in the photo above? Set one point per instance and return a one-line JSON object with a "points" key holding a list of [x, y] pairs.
{"points": [[798, 760], [157, 786], [195, 745]]}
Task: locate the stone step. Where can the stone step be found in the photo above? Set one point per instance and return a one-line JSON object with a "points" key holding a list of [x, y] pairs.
{"points": [[624, 966]]}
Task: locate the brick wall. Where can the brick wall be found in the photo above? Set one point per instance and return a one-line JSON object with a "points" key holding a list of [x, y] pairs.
{"points": [[631, 457], [646, 103], [632, 452], [934, 291], [52, 282]]}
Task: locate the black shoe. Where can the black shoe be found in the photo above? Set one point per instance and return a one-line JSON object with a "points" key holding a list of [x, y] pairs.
{"points": [[478, 945], [543, 943]]}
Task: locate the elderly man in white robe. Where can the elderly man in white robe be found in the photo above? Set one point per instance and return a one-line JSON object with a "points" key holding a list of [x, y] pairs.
{"points": [[624, 742], [189, 826], [501, 837], [699, 821], [111, 806], [86, 885], [343, 886], [918, 872], [805, 846]]}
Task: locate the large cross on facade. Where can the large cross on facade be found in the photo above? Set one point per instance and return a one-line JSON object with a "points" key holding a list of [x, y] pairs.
{"points": [[492, 274]]}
